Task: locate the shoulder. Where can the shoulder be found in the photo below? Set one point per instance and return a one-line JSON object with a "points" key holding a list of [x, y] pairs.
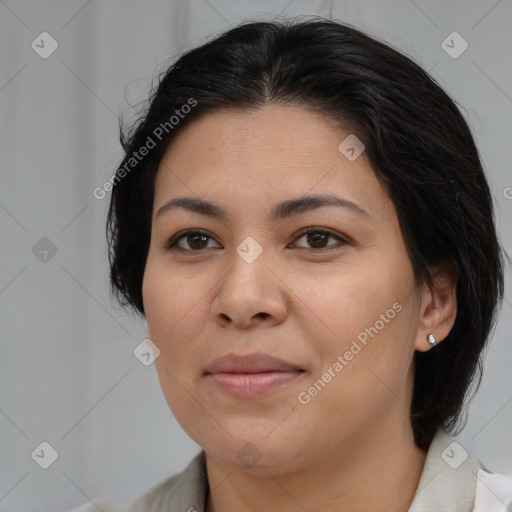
{"points": [[493, 492], [453, 479], [182, 491]]}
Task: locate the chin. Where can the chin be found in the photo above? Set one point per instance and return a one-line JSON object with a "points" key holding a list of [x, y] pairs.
{"points": [[254, 452]]}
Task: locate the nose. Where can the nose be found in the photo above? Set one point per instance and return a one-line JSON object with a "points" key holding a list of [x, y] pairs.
{"points": [[250, 294]]}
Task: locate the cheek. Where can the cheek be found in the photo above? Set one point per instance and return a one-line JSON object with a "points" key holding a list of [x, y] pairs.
{"points": [[363, 329], [173, 307], [364, 371], [378, 355], [347, 305]]}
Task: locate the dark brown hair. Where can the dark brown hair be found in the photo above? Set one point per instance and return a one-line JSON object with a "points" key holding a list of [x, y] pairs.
{"points": [[417, 142]]}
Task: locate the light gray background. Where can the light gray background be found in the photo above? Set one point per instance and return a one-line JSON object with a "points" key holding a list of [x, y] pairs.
{"points": [[69, 376]]}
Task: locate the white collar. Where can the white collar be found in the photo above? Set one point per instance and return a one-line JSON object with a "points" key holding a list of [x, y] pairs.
{"points": [[452, 481]]}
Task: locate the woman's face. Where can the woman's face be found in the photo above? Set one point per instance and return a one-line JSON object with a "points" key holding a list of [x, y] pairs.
{"points": [[338, 306]]}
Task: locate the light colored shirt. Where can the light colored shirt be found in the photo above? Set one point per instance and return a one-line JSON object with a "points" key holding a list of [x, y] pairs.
{"points": [[451, 481]]}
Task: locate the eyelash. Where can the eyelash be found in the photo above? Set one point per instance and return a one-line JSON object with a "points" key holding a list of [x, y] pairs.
{"points": [[171, 245]]}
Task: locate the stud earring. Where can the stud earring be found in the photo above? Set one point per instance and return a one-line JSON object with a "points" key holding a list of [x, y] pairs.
{"points": [[431, 339]]}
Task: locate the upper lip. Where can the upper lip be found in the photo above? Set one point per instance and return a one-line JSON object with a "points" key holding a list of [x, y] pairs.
{"points": [[250, 363]]}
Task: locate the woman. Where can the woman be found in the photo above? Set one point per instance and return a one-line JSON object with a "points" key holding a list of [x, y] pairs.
{"points": [[302, 218]]}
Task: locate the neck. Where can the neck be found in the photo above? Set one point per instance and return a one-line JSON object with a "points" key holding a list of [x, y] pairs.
{"points": [[375, 470]]}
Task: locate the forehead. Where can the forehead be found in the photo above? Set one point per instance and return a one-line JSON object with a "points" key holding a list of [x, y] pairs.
{"points": [[260, 157]]}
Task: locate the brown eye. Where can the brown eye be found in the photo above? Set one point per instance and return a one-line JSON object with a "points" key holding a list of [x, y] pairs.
{"points": [[195, 240], [317, 238]]}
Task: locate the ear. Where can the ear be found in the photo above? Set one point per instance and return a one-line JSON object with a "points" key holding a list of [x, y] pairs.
{"points": [[438, 304]]}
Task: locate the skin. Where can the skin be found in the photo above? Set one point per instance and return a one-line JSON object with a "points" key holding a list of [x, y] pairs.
{"points": [[351, 447]]}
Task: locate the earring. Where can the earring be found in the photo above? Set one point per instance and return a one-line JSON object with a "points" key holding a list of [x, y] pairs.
{"points": [[431, 339]]}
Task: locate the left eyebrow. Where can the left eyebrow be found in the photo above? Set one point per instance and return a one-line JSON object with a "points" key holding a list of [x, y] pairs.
{"points": [[308, 203], [280, 211]]}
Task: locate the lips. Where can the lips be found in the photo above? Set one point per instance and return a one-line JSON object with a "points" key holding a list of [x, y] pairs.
{"points": [[251, 376], [251, 363]]}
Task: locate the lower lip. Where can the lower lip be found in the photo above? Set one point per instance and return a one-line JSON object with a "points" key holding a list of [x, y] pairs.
{"points": [[253, 385]]}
